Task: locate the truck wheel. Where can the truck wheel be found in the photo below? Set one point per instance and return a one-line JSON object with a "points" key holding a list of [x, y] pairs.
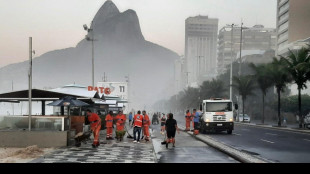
{"points": [[229, 131]]}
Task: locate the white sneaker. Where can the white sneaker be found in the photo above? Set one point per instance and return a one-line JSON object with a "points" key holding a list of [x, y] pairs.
{"points": [[135, 141], [138, 141]]}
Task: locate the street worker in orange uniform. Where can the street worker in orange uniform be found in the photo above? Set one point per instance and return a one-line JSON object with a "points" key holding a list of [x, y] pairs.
{"points": [[146, 123], [109, 125], [95, 125], [120, 123], [188, 118], [137, 124]]}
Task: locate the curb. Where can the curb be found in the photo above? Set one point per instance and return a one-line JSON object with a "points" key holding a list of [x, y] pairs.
{"points": [[233, 152], [276, 128]]}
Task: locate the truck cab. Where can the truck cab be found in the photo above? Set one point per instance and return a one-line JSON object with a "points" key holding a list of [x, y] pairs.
{"points": [[217, 115]]}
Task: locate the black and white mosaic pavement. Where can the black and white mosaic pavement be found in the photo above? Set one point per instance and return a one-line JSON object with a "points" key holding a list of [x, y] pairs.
{"points": [[109, 151]]}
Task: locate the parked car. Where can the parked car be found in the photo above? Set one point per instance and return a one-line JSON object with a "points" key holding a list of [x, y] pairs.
{"points": [[247, 119]]}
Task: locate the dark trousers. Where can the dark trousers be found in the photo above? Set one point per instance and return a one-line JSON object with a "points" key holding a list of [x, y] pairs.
{"points": [[196, 126], [135, 130]]}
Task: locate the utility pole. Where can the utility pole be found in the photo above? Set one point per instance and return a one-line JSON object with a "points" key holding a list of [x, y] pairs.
{"points": [[187, 77], [93, 51], [12, 91], [231, 61], [240, 59], [30, 83]]}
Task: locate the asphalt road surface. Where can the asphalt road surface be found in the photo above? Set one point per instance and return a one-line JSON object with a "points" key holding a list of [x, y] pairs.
{"points": [[187, 150], [275, 145]]}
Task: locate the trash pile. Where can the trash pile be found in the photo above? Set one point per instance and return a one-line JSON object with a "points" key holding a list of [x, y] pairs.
{"points": [[29, 152]]}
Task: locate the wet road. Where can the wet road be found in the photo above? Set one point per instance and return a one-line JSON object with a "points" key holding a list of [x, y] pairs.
{"points": [[275, 145], [187, 150]]}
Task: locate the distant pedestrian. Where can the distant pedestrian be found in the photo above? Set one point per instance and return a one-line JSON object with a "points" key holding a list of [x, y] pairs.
{"points": [[137, 124], [95, 123], [146, 123], [130, 118], [109, 125], [162, 124], [171, 128], [188, 120]]}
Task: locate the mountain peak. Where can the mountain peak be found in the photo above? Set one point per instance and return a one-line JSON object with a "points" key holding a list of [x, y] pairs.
{"points": [[107, 10]]}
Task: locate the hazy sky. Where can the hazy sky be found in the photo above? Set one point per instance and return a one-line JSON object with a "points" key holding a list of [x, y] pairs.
{"points": [[57, 24]]}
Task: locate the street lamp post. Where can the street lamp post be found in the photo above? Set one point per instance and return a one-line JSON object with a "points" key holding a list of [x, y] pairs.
{"points": [[231, 60], [30, 83], [90, 30]]}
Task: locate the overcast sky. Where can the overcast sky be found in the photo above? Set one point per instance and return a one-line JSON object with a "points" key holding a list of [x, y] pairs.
{"points": [[57, 24]]}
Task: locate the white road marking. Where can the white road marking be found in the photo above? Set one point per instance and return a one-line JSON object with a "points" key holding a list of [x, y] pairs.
{"points": [[271, 134], [237, 134], [306, 140], [246, 129], [267, 141]]}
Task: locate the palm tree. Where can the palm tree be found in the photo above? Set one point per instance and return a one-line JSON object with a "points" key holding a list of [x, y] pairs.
{"points": [[299, 75], [213, 89], [245, 86], [280, 77], [262, 76]]}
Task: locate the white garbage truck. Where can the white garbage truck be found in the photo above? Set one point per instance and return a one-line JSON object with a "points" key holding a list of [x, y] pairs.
{"points": [[217, 115]]}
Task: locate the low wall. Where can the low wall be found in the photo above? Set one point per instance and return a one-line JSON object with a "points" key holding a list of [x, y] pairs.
{"points": [[43, 139]]}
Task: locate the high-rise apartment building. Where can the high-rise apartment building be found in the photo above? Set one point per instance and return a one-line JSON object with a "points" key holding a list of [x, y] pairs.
{"points": [[254, 39], [293, 24], [200, 49]]}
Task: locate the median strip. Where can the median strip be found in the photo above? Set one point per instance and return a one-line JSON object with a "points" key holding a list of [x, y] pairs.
{"points": [[234, 153]]}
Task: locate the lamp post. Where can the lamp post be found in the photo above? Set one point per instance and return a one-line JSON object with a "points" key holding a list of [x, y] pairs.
{"points": [[90, 30], [231, 60], [30, 83]]}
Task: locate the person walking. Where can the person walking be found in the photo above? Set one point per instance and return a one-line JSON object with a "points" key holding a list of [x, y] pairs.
{"points": [[130, 118], [95, 123], [120, 123], [109, 125], [171, 127], [137, 124], [162, 124], [146, 123], [188, 120]]}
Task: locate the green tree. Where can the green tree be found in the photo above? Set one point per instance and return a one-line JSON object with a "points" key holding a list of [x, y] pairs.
{"points": [[299, 74], [280, 76], [245, 86], [213, 89], [262, 77]]}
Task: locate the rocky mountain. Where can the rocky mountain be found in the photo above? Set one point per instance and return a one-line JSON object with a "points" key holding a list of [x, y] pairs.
{"points": [[120, 49]]}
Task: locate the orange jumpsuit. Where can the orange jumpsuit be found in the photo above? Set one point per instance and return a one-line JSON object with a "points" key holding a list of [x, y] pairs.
{"points": [[109, 125], [146, 124], [188, 121], [95, 126], [120, 122]]}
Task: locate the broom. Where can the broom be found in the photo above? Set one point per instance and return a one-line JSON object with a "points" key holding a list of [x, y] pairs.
{"points": [[128, 136]]}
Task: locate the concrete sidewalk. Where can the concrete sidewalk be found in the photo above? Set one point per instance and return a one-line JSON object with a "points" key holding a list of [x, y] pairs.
{"points": [[109, 151]]}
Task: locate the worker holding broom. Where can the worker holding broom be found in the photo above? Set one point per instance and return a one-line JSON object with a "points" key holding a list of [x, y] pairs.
{"points": [[120, 123], [95, 125]]}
